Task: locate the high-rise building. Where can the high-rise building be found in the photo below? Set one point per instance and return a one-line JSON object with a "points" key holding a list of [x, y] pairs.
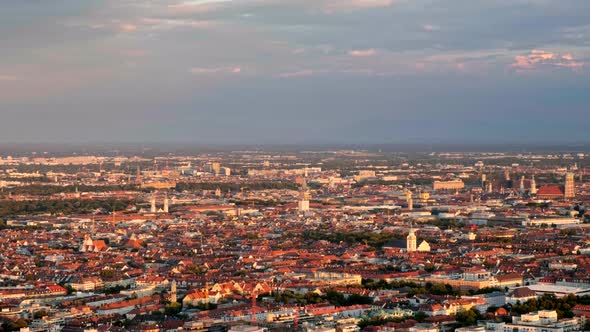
{"points": [[569, 190], [411, 241], [216, 167], [213, 167]]}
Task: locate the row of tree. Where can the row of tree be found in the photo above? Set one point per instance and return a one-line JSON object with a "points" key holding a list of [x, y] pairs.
{"points": [[375, 240], [234, 187], [46, 190], [10, 209]]}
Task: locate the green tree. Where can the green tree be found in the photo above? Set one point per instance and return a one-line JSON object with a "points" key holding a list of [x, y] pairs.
{"points": [[468, 317]]}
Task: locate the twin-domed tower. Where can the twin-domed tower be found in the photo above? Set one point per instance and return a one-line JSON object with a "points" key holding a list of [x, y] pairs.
{"points": [[153, 208]]}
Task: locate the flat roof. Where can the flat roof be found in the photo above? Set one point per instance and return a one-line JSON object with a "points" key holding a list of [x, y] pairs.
{"points": [[550, 288]]}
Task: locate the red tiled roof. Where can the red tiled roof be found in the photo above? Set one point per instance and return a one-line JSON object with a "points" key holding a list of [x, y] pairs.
{"points": [[550, 191]]}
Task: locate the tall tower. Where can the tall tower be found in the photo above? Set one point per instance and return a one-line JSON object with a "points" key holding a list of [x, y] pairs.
{"points": [[570, 191], [138, 173], [483, 180], [409, 200], [173, 295], [521, 186], [304, 197], [166, 204], [533, 185], [153, 203], [411, 241]]}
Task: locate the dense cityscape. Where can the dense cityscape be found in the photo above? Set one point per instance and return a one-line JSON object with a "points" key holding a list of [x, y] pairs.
{"points": [[319, 240], [294, 165]]}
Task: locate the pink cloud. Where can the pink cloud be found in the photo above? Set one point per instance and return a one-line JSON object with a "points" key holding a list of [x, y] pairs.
{"points": [[215, 70], [368, 52], [193, 7], [127, 27], [299, 73], [429, 27], [165, 24], [537, 59], [9, 78], [332, 6]]}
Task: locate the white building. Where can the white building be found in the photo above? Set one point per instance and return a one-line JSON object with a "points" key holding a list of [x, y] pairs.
{"points": [[247, 328], [557, 290], [539, 321], [551, 222], [423, 247], [411, 241]]}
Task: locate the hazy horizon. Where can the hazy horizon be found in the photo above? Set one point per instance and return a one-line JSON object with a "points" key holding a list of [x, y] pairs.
{"points": [[54, 149]]}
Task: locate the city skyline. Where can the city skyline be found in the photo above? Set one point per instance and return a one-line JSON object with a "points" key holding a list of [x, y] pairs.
{"points": [[295, 72]]}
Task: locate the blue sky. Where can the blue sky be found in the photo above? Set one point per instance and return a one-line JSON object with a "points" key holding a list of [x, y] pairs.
{"points": [[302, 71]]}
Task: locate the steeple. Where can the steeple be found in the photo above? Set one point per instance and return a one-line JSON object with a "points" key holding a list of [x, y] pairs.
{"points": [[173, 295], [304, 197], [569, 190], [533, 185], [138, 174], [153, 203], [411, 241], [166, 203], [409, 200]]}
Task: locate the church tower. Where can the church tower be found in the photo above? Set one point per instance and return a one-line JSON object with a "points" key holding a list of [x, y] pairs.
{"points": [[153, 203], [304, 197], [173, 295], [409, 200], [166, 203], [569, 190], [533, 185], [411, 241]]}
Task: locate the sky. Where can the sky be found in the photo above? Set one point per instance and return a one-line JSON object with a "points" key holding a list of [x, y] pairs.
{"points": [[295, 71]]}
